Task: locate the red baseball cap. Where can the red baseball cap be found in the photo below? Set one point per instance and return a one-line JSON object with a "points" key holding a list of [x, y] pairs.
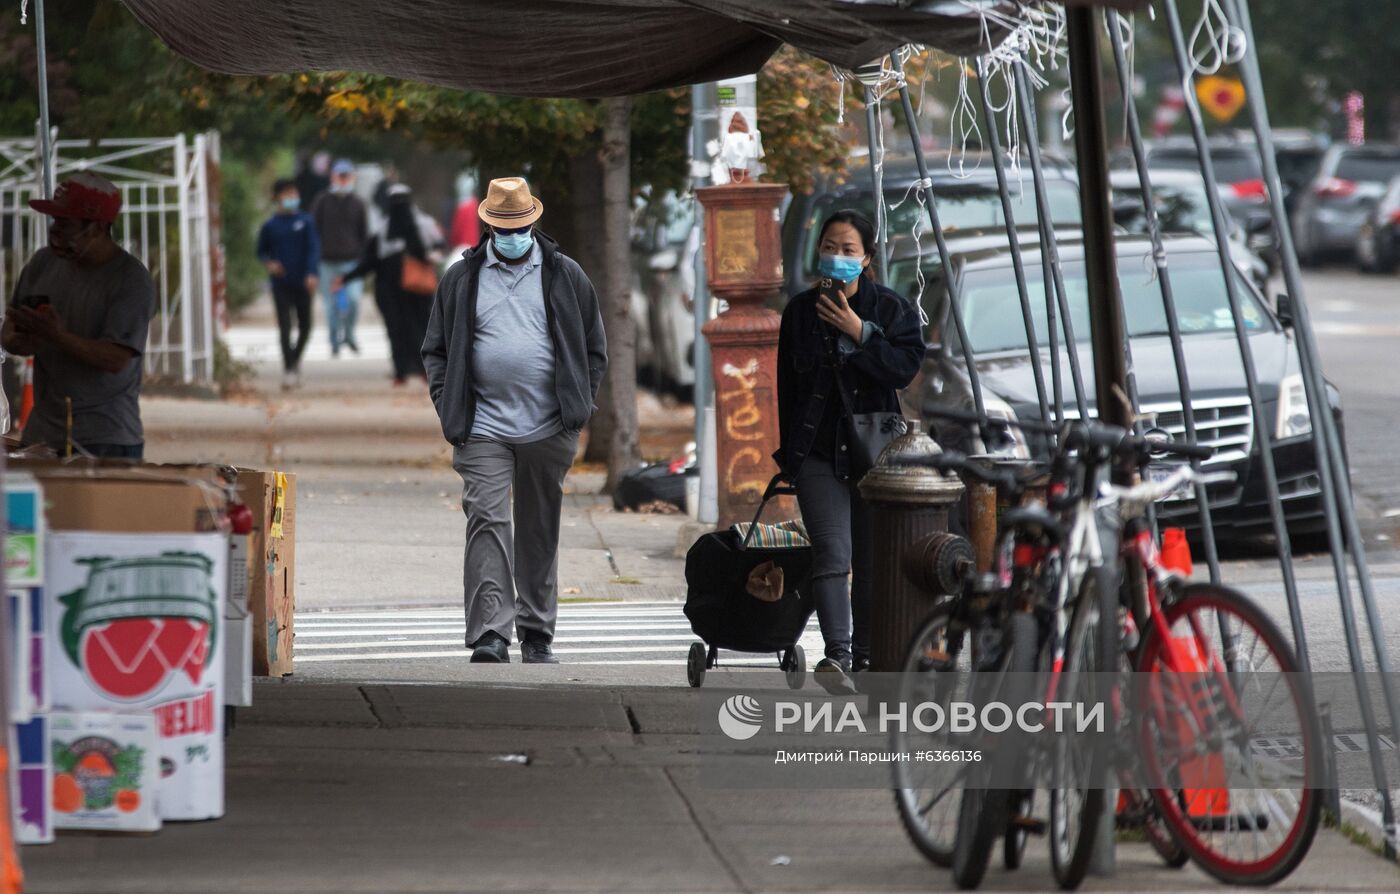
{"points": [[85, 196]]}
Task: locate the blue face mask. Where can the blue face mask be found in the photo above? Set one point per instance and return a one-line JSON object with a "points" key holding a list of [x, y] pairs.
{"points": [[291, 203], [840, 267], [513, 245]]}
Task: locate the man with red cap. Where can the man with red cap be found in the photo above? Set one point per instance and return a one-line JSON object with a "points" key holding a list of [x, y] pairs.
{"points": [[82, 308]]}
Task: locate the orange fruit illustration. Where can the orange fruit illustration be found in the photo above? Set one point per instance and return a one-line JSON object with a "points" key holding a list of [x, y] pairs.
{"points": [[67, 794], [128, 800]]}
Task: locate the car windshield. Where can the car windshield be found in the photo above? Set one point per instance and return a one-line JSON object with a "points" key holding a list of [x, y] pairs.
{"points": [[1367, 168], [1180, 209], [992, 306], [1231, 165], [961, 206]]}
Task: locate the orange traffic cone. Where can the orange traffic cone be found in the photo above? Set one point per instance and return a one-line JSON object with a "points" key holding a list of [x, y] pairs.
{"points": [[1204, 786], [1176, 552]]}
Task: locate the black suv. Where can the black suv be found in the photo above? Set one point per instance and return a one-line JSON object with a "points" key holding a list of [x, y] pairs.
{"points": [[991, 309], [968, 201]]}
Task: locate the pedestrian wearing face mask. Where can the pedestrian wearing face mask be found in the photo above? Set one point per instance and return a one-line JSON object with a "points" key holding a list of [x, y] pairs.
{"points": [[515, 354], [404, 241], [290, 248], [342, 222], [82, 308], [848, 332]]}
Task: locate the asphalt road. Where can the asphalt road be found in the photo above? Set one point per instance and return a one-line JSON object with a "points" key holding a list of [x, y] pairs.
{"points": [[1357, 321]]}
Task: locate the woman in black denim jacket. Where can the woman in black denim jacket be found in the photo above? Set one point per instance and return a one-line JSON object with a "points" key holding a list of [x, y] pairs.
{"points": [[872, 338]]}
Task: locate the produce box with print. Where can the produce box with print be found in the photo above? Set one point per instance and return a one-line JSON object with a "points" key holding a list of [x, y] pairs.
{"points": [[136, 623], [105, 771], [24, 535]]}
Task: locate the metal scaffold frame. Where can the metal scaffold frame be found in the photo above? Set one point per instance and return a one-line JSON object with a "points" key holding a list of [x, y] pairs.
{"points": [[165, 223]]}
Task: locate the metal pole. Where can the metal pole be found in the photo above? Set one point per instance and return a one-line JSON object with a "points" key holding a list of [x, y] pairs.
{"points": [[1018, 266], [703, 118], [1337, 500], [1251, 379], [877, 179], [950, 280], [1050, 262], [45, 136], [186, 304], [1159, 257], [1107, 331]]}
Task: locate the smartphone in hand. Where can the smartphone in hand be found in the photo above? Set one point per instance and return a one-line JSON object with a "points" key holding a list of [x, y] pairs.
{"points": [[34, 302]]}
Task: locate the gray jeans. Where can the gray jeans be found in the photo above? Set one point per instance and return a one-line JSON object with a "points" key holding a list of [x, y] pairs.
{"points": [[838, 523], [511, 568]]}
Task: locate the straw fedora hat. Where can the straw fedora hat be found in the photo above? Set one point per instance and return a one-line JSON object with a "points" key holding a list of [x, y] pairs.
{"points": [[509, 204]]}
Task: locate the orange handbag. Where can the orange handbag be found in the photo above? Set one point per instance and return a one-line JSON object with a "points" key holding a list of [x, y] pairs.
{"points": [[419, 277]]}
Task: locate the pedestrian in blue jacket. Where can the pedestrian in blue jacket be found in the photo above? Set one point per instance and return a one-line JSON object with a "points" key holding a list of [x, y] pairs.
{"points": [[290, 248]]}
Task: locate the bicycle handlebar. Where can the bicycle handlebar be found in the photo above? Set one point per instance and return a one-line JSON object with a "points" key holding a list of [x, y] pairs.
{"points": [[1079, 433], [952, 461]]}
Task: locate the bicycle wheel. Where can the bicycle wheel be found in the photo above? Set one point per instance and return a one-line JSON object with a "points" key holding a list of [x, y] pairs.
{"points": [[1224, 676], [1080, 767], [926, 793], [984, 812]]}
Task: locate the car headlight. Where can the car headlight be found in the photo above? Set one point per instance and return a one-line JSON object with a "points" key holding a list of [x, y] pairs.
{"points": [[1293, 417], [1000, 409]]}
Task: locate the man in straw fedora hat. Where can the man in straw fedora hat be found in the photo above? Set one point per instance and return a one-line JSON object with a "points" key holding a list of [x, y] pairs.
{"points": [[515, 354]]}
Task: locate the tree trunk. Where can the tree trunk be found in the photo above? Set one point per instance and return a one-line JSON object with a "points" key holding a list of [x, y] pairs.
{"points": [[624, 447], [586, 194]]}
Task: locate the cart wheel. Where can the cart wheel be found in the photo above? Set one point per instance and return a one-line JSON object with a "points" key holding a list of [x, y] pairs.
{"points": [[796, 667], [695, 665]]}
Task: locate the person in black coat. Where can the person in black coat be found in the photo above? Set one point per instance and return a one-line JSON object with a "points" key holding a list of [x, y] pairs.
{"points": [[404, 232], [872, 339]]}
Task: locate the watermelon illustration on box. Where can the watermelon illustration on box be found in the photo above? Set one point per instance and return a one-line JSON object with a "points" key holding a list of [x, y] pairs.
{"points": [[136, 624], [105, 771]]}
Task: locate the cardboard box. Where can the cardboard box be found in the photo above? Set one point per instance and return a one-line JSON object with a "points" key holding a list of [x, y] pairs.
{"points": [[93, 495], [106, 771], [272, 596], [24, 535], [136, 623], [31, 772], [238, 626], [31, 782]]}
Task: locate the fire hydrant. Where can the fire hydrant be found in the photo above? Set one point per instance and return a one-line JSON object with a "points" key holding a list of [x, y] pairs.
{"points": [[911, 503]]}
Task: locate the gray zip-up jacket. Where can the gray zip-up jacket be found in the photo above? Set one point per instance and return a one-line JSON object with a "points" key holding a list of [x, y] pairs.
{"points": [[575, 327]]}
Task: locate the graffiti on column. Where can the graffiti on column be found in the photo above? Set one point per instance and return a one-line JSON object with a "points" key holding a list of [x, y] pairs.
{"points": [[745, 474]]}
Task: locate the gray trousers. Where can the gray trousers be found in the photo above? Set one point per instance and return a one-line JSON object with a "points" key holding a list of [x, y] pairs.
{"points": [[511, 571], [838, 523]]}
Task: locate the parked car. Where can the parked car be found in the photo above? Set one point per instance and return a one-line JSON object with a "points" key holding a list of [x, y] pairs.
{"points": [[1239, 176], [1299, 155], [964, 203], [1378, 243], [663, 278], [1221, 410], [1182, 207], [1349, 182]]}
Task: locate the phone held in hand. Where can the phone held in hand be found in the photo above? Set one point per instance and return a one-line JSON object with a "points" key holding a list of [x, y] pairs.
{"points": [[34, 302]]}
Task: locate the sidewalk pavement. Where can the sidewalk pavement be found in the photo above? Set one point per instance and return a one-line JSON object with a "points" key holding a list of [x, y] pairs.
{"points": [[396, 788]]}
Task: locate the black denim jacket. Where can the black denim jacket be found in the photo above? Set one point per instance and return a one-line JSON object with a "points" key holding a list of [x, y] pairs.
{"points": [[888, 360]]}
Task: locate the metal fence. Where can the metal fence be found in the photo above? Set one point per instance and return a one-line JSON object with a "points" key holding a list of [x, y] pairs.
{"points": [[165, 222], [1241, 425]]}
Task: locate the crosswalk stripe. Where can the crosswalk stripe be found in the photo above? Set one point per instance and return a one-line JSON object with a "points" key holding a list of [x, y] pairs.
{"points": [[624, 633]]}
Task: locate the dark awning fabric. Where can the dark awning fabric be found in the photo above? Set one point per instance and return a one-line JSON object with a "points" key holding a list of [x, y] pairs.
{"points": [[557, 48]]}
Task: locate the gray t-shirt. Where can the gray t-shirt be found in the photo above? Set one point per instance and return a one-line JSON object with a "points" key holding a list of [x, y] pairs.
{"points": [[113, 302], [513, 355]]}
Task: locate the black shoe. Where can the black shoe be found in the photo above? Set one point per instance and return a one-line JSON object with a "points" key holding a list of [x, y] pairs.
{"points": [[860, 663], [354, 347], [536, 650], [832, 675], [491, 648]]}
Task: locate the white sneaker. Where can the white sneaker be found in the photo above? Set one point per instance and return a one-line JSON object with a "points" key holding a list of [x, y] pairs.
{"points": [[289, 380]]}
